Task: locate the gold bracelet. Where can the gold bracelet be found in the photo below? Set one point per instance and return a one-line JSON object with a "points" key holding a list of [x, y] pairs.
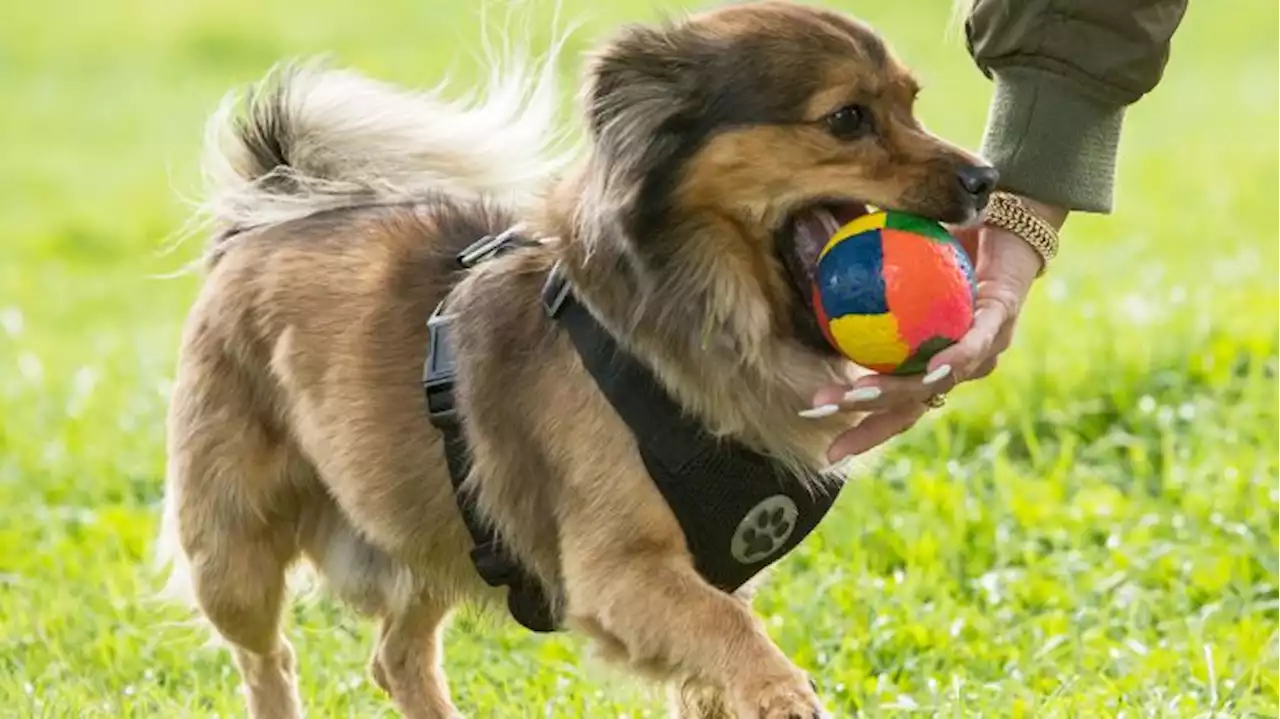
{"points": [[1010, 213]]}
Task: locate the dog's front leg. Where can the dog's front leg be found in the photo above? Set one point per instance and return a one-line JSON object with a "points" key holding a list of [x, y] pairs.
{"points": [[641, 597]]}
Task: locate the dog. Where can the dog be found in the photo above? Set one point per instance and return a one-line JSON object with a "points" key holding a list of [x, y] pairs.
{"points": [[721, 149]]}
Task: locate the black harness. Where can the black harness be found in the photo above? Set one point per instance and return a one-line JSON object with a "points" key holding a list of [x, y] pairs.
{"points": [[740, 511]]}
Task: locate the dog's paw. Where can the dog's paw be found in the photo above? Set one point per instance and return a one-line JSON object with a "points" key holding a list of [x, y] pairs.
{"points": [[790, 697]]}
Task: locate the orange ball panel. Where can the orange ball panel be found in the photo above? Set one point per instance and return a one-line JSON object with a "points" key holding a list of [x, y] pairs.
{"points": [[925, 288]]}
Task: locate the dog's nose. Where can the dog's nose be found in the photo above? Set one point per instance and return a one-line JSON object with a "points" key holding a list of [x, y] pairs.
{"points": [[978, 180]]}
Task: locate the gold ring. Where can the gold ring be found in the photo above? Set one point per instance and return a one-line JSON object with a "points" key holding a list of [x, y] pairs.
{"points": [[936, 401]]}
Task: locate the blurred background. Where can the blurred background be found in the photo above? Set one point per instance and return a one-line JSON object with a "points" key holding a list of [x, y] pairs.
{"points": [[1090, 532]]}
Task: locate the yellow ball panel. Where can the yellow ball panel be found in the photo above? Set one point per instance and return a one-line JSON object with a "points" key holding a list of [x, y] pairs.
{"points": [[870, 340]]}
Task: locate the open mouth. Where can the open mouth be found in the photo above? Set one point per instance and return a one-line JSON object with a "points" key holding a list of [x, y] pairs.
{"points": [[800, 241]]}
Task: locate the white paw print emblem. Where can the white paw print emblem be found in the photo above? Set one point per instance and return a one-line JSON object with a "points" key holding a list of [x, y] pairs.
{"points": [[765, 529]]}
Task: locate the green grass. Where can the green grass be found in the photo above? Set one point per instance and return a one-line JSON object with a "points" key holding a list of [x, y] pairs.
{"points": [[1091, 532]]}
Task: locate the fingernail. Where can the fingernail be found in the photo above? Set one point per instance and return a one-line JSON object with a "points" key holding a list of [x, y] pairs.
{"points": [[842, 467], [861, 394], [938, 375], [820, 411]]}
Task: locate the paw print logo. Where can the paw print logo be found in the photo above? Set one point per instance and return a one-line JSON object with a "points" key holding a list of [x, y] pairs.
{"points": [[765, 529]]}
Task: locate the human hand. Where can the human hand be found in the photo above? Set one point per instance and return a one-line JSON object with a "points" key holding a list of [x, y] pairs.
{"points": [[1005, 267]]}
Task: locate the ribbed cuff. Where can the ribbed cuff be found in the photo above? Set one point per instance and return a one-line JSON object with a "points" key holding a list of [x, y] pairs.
{"points": [[1051, 141]]}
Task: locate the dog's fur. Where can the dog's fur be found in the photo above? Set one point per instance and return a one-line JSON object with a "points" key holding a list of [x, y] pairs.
{"points": [[297, 427]]}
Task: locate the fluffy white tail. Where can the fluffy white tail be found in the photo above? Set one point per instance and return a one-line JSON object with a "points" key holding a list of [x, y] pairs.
{"points": [[309, 138]]}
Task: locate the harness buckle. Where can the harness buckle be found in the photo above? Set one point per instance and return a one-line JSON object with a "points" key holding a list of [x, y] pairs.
{"points": [[439, 371], [487, 247], [555, 292]]}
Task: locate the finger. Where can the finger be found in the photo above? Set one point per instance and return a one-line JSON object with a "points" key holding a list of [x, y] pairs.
{"points": [[1002, 342], [873, 431], [1004, 338], [878, 393], [986, 368], [974, 347]]}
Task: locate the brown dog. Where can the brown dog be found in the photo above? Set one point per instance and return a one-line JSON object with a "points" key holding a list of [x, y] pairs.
{"points": [[722, 150]]}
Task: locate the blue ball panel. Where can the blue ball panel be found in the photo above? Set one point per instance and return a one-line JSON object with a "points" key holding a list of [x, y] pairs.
{"points": [[851, 277], [966, 265]]}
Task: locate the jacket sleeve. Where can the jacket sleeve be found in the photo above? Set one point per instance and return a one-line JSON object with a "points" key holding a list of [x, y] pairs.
{"points": [[1064, 71]]}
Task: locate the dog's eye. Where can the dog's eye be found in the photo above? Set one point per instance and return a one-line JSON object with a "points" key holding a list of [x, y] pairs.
{"points": [[849, 122]]}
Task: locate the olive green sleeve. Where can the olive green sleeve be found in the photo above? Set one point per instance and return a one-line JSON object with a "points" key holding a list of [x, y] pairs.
{"points": [[1064, 71]]}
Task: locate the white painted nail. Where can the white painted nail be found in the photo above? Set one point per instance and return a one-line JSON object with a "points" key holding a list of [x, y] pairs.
{"points": [[841, 468], [862, 394], [938, 375], [819, 412]]}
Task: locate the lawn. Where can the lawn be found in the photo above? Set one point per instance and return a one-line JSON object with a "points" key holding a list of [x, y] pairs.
{"points": [[1091, 532]]}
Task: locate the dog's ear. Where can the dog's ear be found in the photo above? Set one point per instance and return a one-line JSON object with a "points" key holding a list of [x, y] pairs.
{"points": [[642, 102], [636, 77]]}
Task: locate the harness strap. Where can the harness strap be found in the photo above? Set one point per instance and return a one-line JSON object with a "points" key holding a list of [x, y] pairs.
{"points": [[526, 600], [653, 417], [739, 510]]}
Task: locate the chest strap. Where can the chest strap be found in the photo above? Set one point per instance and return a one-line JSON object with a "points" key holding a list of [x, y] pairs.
{"points": [[739, 510]]}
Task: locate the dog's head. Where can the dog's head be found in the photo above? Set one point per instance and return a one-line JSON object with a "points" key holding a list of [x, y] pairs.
{"points": [[734, 142]]}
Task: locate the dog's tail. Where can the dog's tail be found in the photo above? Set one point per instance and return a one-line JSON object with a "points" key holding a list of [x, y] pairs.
{"points": [[309, 138]]}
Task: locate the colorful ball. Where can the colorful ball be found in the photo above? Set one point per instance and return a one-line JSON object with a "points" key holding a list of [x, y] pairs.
{"points": [[891, 290]]}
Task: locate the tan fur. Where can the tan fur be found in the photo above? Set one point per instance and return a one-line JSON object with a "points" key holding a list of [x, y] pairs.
{"points": [[297, 427]]}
